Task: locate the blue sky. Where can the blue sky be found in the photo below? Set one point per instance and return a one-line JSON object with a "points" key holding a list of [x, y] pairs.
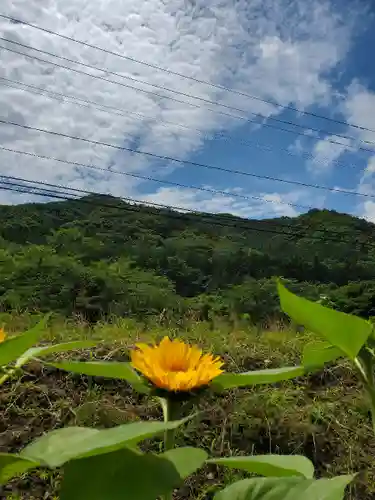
{"points": [[314, 56]]}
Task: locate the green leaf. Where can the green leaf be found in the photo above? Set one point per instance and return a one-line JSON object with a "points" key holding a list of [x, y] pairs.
{"points": [[257, 377], [186, 460], [316, 354], [109, 369], [13, 347], [62, 445], [14, 465], [128, 475], [41, 351], [342, 330], [270, 465], [56, 447], [287, 488]]}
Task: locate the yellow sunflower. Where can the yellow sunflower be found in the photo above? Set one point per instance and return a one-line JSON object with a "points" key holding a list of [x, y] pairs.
{"points": [[2, 335], [175, 366]]}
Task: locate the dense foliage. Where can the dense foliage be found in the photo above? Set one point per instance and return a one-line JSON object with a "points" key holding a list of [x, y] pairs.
{"points": [[100, 256]]}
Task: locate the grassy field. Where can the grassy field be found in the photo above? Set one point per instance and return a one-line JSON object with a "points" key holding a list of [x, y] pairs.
{"points": [[323, 416]]}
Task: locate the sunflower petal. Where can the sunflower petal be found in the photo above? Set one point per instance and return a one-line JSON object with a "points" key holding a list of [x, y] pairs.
{"points": [[2, 335]]}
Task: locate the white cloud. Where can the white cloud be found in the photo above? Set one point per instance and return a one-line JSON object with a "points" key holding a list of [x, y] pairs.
{"points": [[369, 210], [366, 182], [275, 50], [266, 205], [366, 185], [370, 169], [359, 109], [357, 106], [326, 151]]}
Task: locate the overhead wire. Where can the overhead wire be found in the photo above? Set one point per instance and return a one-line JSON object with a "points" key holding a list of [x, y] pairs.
{"points": [[233, 223], [59, 96], [9, 186], [178, 160], [161, 181], [173, 212], [189, 77], [137, 89], [178, 92], [165, 181]]}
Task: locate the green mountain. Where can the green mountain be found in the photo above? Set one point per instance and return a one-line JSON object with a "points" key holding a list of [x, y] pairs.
{"points": [[99, 256]]}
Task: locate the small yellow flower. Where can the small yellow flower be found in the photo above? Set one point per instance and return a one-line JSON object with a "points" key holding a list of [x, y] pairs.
{"points": [[175, 366], [2, 335]]}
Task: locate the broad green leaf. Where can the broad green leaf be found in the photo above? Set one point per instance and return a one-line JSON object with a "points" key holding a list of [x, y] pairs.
{"points": [[109, 369], [127, 475], [257, 377], [315, 354], [14, 465], [13, 347], [59, 446], [38, 352], [186, 460], [56, 447], [286, 488], [342, 330], [270, 465]]}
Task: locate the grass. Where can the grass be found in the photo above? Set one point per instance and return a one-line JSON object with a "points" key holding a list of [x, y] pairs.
{"points": [[323, 416]]}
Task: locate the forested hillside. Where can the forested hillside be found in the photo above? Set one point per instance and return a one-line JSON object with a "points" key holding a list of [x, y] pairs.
{"points": [[100, 256]]}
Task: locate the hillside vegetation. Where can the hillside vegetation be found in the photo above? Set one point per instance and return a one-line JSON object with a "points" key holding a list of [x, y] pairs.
{"points": [[99, 257]]}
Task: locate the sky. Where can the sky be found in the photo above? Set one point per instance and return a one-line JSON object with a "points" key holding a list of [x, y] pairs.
{"points": [[311, 61]]}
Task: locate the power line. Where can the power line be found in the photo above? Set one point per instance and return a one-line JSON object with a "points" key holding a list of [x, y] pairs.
{"points": [[119, 172], [177, 160], [199, 188], [162, 181], [171, 72], [192, 214], [19, 188], [10, 182], [59, 96], [124, 112], [137, 89], [178, 92], [44, 191]]}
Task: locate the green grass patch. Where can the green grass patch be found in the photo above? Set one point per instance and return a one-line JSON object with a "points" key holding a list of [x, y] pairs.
{"points": [[323, 416]]}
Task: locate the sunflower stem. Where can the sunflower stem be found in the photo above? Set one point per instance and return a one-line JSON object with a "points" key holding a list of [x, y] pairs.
{"points": [[169, 413]]}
